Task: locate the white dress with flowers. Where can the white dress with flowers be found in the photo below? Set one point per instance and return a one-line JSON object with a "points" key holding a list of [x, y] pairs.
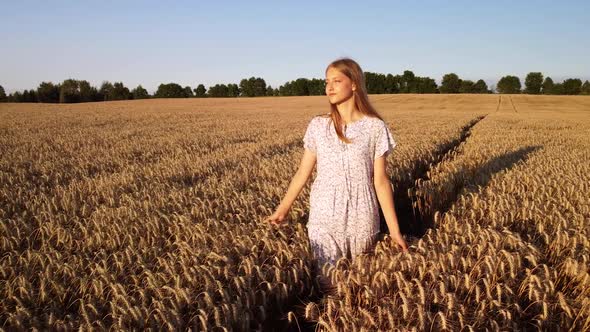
{"points": [[344, 210]]}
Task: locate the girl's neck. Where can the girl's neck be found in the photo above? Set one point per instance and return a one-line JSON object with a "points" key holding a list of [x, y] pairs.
{"points": [[348, 111]]}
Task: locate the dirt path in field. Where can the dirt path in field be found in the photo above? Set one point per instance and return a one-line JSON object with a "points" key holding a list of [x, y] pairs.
{"points": [[512, 103], [506, 104], [413, 222]]}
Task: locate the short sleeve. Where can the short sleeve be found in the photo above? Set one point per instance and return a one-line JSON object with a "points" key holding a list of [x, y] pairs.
{"points": [[309, 140], [384, 142]]}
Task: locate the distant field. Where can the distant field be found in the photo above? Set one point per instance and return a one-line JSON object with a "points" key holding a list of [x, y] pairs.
{"points": [[147, 214]]}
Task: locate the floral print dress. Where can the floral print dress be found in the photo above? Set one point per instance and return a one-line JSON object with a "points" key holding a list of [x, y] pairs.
{"points": [[344, 210]]}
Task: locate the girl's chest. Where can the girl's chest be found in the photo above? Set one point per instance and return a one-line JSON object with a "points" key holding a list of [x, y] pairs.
{"points": [[330, 146]]}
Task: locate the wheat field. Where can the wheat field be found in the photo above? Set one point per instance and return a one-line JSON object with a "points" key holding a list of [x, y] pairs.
{"points": [[147, 214]]}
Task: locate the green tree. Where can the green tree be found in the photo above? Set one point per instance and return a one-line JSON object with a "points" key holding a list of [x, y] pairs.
{"points": [[200, 91], [246, 88], [259, 87], [87, 92], [558, 89], [25, 97], [480, 87], [120, 92], [509, 84], [298, 87], [376, 83], [392, 83], [269, 90], [426, 85], [218, 90], [547, 86], [233, 90], [170, 90], [140, 93], [572, 86], [69, 91], [253, 87], [16, 97], [29, 96], [188, 92], [450, 83], [408, 82], [533, 83], [47, 92], [301, 87], [285, 90], [105, 92], [316, 87], [466, 86], [585, 88], [3, 97]]}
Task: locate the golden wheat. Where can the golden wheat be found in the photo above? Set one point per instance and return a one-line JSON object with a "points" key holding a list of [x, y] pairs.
{"points": [[146, 214]]}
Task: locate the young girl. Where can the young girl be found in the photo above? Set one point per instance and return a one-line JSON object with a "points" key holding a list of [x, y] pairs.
{"points": [[350, 145]]}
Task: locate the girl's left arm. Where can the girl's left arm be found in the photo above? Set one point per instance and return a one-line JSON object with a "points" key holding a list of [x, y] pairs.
{"points": [[385, 197]]}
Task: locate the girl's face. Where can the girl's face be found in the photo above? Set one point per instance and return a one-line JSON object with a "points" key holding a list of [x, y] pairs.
{"points": [[339, 87]]}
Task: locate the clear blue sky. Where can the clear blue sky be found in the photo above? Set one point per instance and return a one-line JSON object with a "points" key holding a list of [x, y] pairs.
{"points": [[209, 42]]}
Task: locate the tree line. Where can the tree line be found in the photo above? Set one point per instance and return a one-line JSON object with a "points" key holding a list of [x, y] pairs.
{"points": [[536, 84], [75, 91]]}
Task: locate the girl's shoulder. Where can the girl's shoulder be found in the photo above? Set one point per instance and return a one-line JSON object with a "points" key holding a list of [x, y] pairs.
{"points": [[374, 121], [320, 117], [376, 125]]}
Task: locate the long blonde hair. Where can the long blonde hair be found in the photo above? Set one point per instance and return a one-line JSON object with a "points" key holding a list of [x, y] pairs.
{"points": [[354, 72]]}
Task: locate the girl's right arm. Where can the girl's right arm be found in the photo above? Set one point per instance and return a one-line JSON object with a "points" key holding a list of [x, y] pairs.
{"points": [[299, 180]]}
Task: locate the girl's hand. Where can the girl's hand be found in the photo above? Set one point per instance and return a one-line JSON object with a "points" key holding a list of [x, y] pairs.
{"points": [[277, 217], [399, 239]]}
